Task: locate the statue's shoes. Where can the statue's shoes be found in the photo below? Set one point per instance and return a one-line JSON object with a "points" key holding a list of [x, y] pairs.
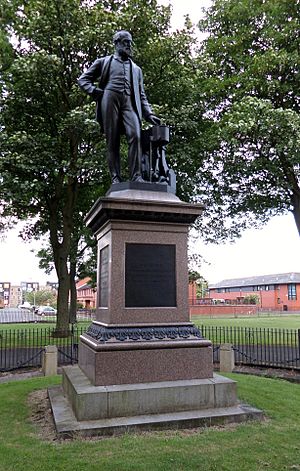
{"points": [[115, 180], [138, 179]]}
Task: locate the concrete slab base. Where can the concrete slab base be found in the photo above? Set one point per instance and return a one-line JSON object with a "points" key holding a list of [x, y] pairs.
{"points": [[68, 426], [91, 402], [79, 407]]}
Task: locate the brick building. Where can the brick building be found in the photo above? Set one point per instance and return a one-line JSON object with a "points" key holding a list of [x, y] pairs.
{"points": [[16, 295], [4, 293], [279, 292], [86, 294], [28, 287]]}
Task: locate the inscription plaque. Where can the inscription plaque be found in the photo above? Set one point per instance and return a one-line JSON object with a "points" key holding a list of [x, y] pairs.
{"points": [[150, 275], [103, 277]]}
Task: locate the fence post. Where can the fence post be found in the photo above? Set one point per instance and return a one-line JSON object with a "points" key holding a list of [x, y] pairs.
{"points": [[49, 360], [226, 357]]}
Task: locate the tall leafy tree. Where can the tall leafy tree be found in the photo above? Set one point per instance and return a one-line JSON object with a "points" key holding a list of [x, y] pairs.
{"points": [[248, 84], [52, 158]]}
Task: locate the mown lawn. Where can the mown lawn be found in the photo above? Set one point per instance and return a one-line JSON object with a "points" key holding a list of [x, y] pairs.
{"points": [[251, 331], [273, 444], [218, 330], [35, 335], [23, 327], [278, 322]]}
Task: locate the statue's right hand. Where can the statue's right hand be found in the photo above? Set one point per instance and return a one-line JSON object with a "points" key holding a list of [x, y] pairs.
{"points": [[97, 93]]}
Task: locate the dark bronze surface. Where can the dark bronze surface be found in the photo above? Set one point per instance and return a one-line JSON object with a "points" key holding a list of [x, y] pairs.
{"points": [[105, 334], [103, 277], [121, 104], [150, 275]]}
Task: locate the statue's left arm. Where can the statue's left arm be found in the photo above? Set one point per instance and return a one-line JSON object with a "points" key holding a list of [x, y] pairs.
{"points": [[147, 112]]}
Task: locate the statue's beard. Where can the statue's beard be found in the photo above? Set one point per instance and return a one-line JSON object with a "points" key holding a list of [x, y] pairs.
{"points": [[125, 53]]}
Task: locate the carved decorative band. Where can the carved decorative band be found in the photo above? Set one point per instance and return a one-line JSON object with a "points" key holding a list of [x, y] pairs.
{"points": [[105, 334]]}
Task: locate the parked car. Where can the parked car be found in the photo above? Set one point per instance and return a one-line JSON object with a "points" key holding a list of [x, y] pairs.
{"points": [[46, 311], [25, 305]]}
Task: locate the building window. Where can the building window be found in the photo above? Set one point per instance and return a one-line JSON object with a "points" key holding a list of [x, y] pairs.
{"points": [[292, 294], [269, 288]]}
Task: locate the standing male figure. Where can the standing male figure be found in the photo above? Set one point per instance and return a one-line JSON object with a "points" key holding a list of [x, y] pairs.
{"points": [[121, 104]]}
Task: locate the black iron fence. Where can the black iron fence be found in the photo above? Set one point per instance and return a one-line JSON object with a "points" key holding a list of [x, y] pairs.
{"points": [[23, 348], [279, 348]]}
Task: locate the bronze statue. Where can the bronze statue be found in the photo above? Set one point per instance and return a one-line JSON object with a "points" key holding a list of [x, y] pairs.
{"points": [[121, 104]]}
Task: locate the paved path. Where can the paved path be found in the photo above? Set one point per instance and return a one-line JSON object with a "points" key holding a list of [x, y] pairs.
{"points": [[22, 357], [6, 378], [266, 355]]}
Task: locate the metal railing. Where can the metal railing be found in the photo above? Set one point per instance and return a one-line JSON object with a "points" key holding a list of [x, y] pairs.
{"points": [[277, 348], [23, 348]]}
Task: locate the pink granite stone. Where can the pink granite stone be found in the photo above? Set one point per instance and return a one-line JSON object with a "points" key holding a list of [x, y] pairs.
{"points": [[139, 218], [116, 235], [143, 365]]}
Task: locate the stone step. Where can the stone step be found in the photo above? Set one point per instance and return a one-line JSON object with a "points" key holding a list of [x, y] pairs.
{"points": [[67, 425]]}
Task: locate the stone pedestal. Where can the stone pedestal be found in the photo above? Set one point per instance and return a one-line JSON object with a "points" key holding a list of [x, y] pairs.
{"points": [[143, 332], [142, 363]]}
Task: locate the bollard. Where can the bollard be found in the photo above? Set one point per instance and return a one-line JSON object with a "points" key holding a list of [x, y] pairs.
{"points": [[49, 360], [226, 357]]}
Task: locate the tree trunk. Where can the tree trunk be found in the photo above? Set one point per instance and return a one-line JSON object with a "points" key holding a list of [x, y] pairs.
{"points": [[73, 293], [62, 321], [296, 208], [60, 239], [61, 256]]}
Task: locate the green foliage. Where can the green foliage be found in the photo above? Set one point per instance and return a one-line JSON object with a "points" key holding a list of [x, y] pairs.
{"points": [[248, 84], [52, 163], [194, 275], [251, 299], [42, 298]]}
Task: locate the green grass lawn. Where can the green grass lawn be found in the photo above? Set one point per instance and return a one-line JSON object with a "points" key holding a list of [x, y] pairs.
{"points": [[34, 335], [23, 327], [273, 444], [278, 322], [251, 331]]}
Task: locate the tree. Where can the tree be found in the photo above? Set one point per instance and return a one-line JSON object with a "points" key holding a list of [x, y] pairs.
{"points": [[251, 299], [50, 171], [52, 161], [41, 297], [248, 84]]}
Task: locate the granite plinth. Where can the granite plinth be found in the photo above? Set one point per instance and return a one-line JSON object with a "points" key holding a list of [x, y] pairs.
{"points": [[121, 355], [139, 223], [145, 362], [115, 238], [142, 364], [138, 205]]}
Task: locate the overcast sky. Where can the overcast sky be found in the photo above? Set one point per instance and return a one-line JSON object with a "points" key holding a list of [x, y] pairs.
{"points": [[274, 249]]}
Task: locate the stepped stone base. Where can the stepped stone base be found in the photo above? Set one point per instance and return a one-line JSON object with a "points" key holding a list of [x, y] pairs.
{"points": [[80, 407]]}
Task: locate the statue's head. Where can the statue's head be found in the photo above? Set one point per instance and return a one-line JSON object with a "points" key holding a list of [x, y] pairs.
{"points": [[123, 44]]}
